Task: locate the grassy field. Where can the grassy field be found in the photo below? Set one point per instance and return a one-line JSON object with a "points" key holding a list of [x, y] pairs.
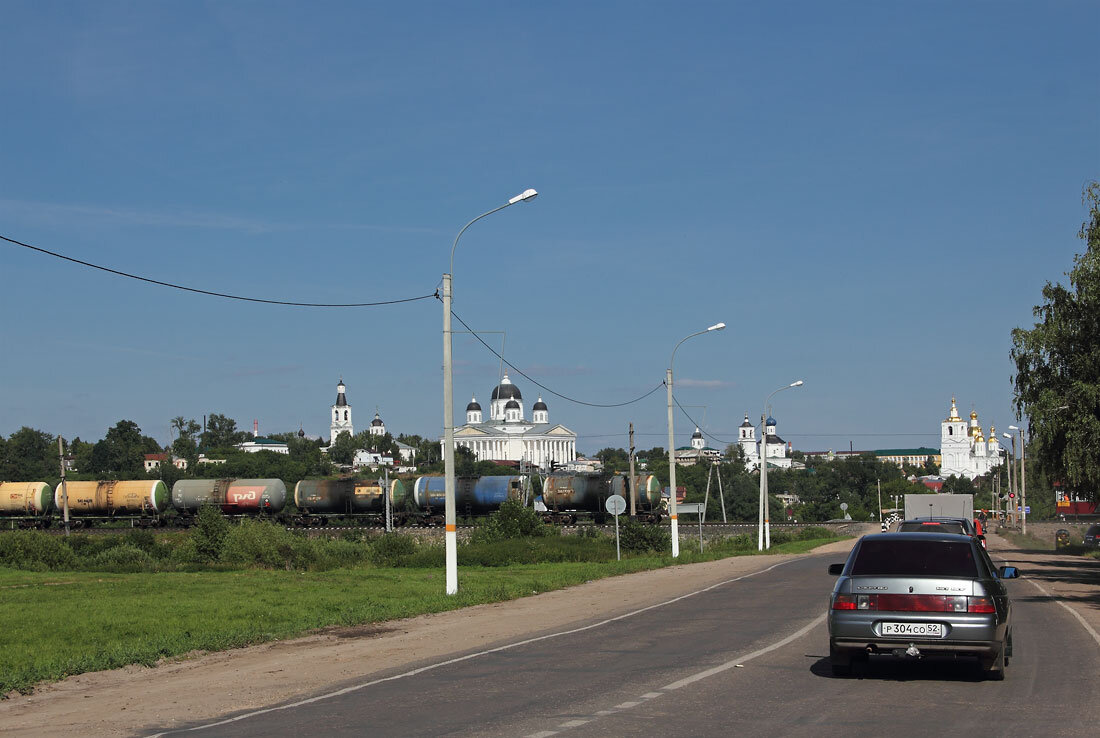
{"points": [[61, 623]]}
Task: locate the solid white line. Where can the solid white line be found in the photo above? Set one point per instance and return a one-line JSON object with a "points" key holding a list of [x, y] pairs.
{"points": [[650, 695], [543, 734], [626, 705], [467, 657], [574, 723], [1074, 613], [748, 657]]}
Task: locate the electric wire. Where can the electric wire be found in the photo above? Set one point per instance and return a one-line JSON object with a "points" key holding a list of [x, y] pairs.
{"points": [[210, 292], [543, 386]]}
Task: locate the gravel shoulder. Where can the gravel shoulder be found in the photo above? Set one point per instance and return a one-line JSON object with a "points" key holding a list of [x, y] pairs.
{"points": [[133, 700]]}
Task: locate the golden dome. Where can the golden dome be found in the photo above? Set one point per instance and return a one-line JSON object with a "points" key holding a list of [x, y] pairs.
{"points": [[954, 412], [973, 414]]}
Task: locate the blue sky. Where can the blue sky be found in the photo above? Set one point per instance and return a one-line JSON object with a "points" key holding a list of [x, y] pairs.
{"points": [[870, 195]]}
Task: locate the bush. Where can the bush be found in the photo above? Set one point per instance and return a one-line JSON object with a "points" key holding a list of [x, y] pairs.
{"points": [[642, 537], [209, 533], [519, 551], [512, 520], [122, 558], [263, 544], [390, 548], [35, 551]]}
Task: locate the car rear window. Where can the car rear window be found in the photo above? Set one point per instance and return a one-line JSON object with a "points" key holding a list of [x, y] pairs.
{"points": [[932, 527], [906, 557]]}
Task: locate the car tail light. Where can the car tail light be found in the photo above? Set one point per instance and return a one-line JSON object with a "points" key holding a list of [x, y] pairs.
{"points": [[914, 603], [844, 602], [981, 604]]}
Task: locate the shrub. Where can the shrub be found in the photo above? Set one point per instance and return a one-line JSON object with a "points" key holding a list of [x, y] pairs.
{"points": [[517, 551], [641, 537], [512, 520], [122, 558], [263, 544], [389, 548], [209, 533], [36, 551]]}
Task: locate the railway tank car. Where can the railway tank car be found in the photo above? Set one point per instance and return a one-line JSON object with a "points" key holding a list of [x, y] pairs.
{"points": [[147, 498], [570, 495], [233, 496], [30, 502], [319, 499], [473, 495]]}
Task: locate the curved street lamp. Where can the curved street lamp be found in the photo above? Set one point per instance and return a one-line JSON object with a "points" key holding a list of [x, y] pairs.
{"points": [[451, 535], [672, 446], [764, 528]]}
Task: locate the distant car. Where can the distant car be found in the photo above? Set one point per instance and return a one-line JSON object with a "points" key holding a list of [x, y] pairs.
{"points": [[1092, 536], [1061, 538], [928, 525], [915, 594]]}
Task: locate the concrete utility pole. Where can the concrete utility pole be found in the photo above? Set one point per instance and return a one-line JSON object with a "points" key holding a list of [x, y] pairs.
{"points": [[633, 491], [764, 532], [64, 489]]}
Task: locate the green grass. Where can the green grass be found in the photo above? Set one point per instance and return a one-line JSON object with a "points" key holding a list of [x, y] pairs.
{"points": [[70, 622]]}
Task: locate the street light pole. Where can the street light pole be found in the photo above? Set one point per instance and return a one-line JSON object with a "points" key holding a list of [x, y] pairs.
{"points": [[1023, 481], [671, 444], [451, 535], [1011, 478], [764, 528]]}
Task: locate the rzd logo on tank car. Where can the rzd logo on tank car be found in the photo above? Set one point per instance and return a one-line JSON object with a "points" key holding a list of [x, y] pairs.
{"points": [[244, 496]]}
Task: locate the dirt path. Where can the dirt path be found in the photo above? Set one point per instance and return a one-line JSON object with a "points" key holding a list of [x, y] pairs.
{"points": [[130, 701]]}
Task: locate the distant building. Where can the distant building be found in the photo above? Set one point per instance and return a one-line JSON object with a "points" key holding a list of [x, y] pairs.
{"points": [[152, 461], [259, 443], [964, 450], [698, 450], [774, 447], [408, 453], [507, 436], [341, 414], [910, 456], [377, 427]]}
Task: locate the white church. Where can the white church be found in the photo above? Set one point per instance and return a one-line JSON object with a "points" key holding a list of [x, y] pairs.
{"points": [[774, 447], [508, 436], [964, 450]]}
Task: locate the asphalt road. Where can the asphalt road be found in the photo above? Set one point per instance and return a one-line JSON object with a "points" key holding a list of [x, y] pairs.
{"points": [[748, 656]]}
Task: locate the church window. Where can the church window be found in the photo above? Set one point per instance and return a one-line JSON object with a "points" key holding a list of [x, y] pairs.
{"points": [[950, 431], [345, 415]]}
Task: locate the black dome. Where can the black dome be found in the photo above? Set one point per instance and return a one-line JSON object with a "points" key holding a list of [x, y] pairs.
{"points": [[540, 405], [746, 424], [473, 406], [377, 421], [697, 434], [511, 405], [506, 390]]}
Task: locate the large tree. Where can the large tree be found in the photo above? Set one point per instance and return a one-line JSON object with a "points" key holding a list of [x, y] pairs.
{"points": [[1057, 384]]}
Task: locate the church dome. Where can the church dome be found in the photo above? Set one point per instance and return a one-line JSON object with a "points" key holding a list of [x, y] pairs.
{"points": [[506, 390], [540, 405], [769, 421], [377, 421], [746, 424], [697, 434], [511, 405], [473, 406]]}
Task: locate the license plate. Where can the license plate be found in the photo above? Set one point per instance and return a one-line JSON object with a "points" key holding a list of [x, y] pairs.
{"points": [[925, 630]]}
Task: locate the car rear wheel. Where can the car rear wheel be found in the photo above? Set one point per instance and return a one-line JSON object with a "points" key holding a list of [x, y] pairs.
{"points": [[841, 661], [994, 669]]}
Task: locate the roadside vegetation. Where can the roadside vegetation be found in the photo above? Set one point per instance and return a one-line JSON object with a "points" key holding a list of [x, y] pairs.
{"points": [[92, 602]]}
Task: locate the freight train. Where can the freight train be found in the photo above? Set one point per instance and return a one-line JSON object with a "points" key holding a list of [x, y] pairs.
{"points": [[148, 503]]}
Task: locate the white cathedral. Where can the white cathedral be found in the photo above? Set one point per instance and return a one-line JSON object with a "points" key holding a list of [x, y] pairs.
{"points": [[341, 417], [964, 451], [507, 436], [775, 448]]}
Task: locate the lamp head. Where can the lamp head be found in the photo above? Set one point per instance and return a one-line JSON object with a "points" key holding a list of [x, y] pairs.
{"points": [[796, 384], [524, 196], [1007, 436], [1012, 427], [717, 327]]}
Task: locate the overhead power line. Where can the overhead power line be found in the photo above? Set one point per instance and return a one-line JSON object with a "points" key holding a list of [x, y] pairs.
{"points": [[210, 292], [543, 386]]}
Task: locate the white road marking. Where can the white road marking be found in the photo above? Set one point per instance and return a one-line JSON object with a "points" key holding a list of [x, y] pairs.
{"points": [[467, 657], [573, 723], [651, 695], [627, 705], [543, 734], [1074, 613], [742, 659]]}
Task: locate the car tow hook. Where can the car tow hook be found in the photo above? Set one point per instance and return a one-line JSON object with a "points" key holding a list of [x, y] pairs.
{"points": [[911, 651]]}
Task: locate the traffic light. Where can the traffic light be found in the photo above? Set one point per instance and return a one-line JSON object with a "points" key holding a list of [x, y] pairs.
{"points": [[1011, 495]]}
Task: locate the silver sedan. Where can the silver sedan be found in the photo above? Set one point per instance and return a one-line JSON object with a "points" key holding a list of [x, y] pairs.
{"points": [[914, 594]]}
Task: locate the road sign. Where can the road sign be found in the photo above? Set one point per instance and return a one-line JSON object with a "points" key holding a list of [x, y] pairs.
{"points": [[615, 504], [693, 508], [1027, 509], [844, 506]]}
